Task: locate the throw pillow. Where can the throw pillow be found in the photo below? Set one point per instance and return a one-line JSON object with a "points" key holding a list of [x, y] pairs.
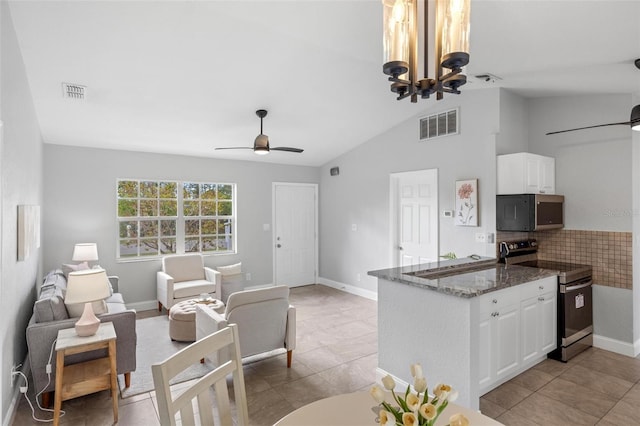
{"points": [[75, 309], [69, 267]]}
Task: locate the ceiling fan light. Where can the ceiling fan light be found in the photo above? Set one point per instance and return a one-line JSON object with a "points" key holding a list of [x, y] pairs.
{"points": [[635, 118], [261, 151]]}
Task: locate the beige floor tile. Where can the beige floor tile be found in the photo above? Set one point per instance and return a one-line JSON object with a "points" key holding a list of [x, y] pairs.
{"points": [[490, 409], [351, 376], [592, 402], [597, 381], [305, 390], [613, 364], [508, 418], [622, 413], [552, 367], [532, 379], [546, 411], [507, 395]]}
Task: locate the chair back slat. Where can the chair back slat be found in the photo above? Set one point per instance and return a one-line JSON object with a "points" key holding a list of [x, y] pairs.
{"points": [[200, 390]]}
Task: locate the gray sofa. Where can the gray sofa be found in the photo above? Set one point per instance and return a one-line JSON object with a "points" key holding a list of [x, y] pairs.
{"points": [[50, 315]]}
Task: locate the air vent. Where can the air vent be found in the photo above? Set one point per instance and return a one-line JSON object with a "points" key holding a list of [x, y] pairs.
{"points": [[74, 91], [441, 124]]}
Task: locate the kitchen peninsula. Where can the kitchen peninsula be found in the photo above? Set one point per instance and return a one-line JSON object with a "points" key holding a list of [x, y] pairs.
{"points": [[471, 323]]}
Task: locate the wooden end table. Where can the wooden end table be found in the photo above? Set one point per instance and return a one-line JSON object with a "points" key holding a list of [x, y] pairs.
{"points": [[85, 377]]}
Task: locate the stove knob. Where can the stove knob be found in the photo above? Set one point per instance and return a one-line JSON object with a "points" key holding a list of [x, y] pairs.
{"points": [[534, 243]]}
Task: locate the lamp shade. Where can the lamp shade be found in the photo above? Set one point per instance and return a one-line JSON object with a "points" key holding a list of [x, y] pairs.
{"points": [[85, 252], [399, 23], [87, 286], [635, 118], [455, 17]]}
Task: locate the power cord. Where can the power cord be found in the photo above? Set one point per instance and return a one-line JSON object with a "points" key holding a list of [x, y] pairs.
{"points": [[25, 388]]}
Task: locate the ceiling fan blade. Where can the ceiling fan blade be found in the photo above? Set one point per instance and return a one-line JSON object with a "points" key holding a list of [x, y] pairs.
{"points": [[627, 123], [285, 148], [235, 147]]}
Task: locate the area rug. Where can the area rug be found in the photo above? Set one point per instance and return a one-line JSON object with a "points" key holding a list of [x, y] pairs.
{"points": [[155, 345]]}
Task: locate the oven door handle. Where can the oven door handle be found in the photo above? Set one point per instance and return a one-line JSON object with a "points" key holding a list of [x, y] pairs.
{"points": [[565, 289]]}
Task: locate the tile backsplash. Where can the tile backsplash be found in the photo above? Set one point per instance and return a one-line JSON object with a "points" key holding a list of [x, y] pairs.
{"points": [[609, 253]]}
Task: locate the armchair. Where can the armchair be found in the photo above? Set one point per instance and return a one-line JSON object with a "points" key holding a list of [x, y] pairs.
{"points": [[184, 277], [266, 321]]}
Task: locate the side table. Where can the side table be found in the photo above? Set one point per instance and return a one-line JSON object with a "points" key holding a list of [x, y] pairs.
{"points": [[86, 377]]}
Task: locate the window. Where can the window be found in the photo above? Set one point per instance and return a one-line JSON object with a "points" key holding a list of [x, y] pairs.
{"points": [[156, 218]]}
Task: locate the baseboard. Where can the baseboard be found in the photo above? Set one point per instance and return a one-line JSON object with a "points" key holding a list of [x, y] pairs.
{"points": [[147, 305], [617, 346], [15, 398], [349, 288]]}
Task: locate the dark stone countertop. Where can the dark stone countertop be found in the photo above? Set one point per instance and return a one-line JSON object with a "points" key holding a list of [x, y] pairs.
{"points": [[465, 277]]}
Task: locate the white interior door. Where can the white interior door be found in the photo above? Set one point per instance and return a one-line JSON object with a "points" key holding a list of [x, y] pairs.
{"points": [[415, 200], [295, 230]]}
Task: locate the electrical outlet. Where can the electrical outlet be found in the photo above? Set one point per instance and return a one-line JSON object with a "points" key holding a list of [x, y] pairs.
{"points": [[481, 237], [14, 373], [248, 276]]}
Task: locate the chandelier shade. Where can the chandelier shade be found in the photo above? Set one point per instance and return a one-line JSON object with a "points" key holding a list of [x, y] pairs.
{"points": [[402, 34]]}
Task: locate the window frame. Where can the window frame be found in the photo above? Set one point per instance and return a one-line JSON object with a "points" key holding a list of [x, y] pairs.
{"points": [[180, 219]]}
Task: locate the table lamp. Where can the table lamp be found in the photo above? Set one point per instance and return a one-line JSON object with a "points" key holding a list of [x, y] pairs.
{"points": [[85, 287], [85, 252]]}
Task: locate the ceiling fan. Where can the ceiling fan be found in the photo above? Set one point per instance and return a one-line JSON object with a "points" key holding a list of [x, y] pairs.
{"points": [[634, 122], [261, 144]]}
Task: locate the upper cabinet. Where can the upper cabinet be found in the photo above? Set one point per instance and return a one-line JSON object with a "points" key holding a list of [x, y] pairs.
{"points": [[526, 173]]}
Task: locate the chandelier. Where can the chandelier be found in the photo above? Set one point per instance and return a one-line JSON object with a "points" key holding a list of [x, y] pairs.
{"points": [[402, 37]]}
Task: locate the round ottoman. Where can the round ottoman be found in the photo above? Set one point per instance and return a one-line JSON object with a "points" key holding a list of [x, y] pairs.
{"points": [[182, 318]]}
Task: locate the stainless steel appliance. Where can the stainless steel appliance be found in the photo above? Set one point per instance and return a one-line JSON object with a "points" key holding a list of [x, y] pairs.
{"points": [[575, 298], [529, 212]]}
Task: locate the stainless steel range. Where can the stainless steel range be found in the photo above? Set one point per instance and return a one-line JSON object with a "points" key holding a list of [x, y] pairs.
{"points": [[575, 299]]}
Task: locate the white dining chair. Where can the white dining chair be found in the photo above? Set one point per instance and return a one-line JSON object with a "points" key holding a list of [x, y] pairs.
{"points": [[224, 341]]}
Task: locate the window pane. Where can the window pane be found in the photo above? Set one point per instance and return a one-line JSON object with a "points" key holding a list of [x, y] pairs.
{"points": [[224, 208], [149, 247], [167, 227], [208, 191], [191, 208], [191, 191], [148, 207], [148, 228], [168, 190], [192, 227], [208, 243], [191, 245], [127, 189], [224, 226], [127, 208], [224, 243], [225, 192], [208, 208], [128, 248], [168, 208], [167, 246], [209, 226], [128, 229], [148, 190]]}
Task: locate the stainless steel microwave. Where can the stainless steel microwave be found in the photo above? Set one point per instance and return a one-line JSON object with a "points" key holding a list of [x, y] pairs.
{"points": [[529, 212]]}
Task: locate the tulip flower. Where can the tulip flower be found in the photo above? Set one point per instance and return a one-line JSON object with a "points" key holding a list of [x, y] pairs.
{"points": [[377, 394], [420, 384], [416, 370], [386, 418], [388, 382], [412, 402], [409, 419], [428, 411]]}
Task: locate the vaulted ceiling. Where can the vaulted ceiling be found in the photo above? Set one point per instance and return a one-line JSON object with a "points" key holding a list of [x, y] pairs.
{"points": [[184, 77]]}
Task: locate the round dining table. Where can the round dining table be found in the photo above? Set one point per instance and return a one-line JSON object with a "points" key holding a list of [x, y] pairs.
{"points": [[359, 409]]}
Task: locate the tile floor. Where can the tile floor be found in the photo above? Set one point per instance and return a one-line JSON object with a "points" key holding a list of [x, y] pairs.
{"points": [[337, 353]]}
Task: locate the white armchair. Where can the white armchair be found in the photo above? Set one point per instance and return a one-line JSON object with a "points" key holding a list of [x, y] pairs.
{"points": [[266, 321], [184, 277]]}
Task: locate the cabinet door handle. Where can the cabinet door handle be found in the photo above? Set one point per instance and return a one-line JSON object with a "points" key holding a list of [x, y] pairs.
{"points": [[541, 299], [541, 287], [495, 300]]}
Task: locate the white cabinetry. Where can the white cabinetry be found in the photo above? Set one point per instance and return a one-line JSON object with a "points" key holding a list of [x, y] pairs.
{"points": [[516, 329], [525, 173]]}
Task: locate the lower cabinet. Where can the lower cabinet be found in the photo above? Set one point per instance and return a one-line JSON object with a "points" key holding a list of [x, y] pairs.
{"points": [[516, 328]]}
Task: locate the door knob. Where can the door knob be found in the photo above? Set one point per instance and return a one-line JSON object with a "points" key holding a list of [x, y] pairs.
{"points": [[278, 245], [400, 248]]}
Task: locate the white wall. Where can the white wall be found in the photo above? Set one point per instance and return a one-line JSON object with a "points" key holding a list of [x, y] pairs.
{"points": [[21, 176], [80, 206], [360, 194], [514, 124]]}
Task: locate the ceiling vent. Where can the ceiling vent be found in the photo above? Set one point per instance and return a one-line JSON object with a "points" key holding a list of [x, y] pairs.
{"points": [[74, 91], [441, 124]]}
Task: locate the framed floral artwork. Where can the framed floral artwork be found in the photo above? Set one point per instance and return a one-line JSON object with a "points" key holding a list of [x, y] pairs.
{"points": [[466, 213]]}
